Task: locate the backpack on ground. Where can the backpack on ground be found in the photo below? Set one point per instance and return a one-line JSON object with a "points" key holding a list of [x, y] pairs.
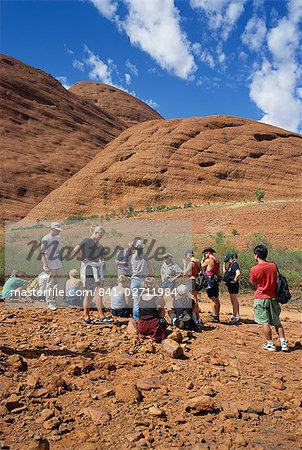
{"points": [[184, 321], [283, 294]]}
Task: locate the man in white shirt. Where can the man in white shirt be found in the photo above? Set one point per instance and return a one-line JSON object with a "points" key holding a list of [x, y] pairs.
{"points": [[52, 265]]}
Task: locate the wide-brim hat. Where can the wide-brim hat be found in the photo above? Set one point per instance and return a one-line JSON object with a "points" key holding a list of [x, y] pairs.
{"points": [[56, 226], [182, 289], [168, 255], [208, 249]]}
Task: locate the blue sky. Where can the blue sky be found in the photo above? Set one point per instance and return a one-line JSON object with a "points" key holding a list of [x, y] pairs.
{"points": [[184, 57]]}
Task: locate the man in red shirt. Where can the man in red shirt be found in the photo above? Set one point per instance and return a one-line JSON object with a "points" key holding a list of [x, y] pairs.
{"points": [[266, 307]]}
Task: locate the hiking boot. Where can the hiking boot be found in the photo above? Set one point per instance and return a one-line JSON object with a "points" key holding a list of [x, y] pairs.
{"points": [[284, 347], [51, 306], [269, 347]]}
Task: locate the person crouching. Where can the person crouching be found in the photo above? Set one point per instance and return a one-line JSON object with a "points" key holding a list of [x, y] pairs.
{"points": [[151, 323]]}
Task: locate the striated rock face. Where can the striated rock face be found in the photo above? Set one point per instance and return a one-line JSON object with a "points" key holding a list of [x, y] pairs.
{"points": [[183, 160], [47, 135], [119, 103]]}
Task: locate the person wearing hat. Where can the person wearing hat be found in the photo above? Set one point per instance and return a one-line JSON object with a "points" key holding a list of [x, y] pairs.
{"points": [[74, 289], [185, 311], [91, 253], [231, 275], [211, 267], [140, 268], [51, 248], [169, 271]]}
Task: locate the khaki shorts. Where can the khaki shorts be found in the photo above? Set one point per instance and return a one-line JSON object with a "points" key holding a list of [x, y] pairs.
{"points": [[267, 311]]}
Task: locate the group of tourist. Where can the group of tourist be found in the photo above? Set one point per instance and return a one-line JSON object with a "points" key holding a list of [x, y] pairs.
{"points": [[138, 294]]}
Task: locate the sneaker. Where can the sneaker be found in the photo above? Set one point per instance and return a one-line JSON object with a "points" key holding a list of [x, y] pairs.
{"points": [[269, 347], [107, 320], [51, 306], [214, 319], [233, 320], [284, 347]]}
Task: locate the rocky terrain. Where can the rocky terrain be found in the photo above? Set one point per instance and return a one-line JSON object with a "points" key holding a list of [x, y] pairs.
{"points": [[68, 386], [170, 162], [48, 133], [117, 102]]}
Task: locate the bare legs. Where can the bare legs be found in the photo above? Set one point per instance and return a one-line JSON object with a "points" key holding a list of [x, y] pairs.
{"points": [[267, 332], [235, 304], [89, 294], [215, 306]]}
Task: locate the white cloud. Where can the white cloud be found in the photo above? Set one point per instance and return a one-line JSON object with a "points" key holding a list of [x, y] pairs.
{"points": [[79, 65], [107, 8], [132, 67], [152, 103], [220, 54], [222, 14], [99, 71], [196, 48], [254, 33], [274, 86], [64, 81], [154, 26], [208, 58], [127, 78]]}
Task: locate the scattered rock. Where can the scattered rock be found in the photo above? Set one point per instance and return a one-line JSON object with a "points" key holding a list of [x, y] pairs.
{"points": [[176, 336], [132, 327], [17, 363], [13, 402], [135, 436], [154, 411], [38, 444], [278, 384], [173, 349], [149, 383], [100, 416], [52, 423], [127, 393], [201, 404]]}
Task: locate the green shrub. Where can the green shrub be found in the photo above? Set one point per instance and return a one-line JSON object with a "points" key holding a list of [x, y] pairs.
{"points": [[188, 205], [235, 232], [260, 194]]}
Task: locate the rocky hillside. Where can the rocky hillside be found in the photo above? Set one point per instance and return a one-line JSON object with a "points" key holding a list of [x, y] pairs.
{"points": [[119, 103], [48, 133], [183, 160]]}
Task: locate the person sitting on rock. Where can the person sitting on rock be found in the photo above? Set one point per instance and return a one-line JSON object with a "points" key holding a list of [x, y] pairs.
{"points": [[121, 302], [185, 312], [169, 271], [151, 323], [15, 285], [74, 289]]}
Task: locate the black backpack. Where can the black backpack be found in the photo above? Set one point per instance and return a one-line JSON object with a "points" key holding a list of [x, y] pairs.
{"points": [[283, 294], [201, 281]]}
